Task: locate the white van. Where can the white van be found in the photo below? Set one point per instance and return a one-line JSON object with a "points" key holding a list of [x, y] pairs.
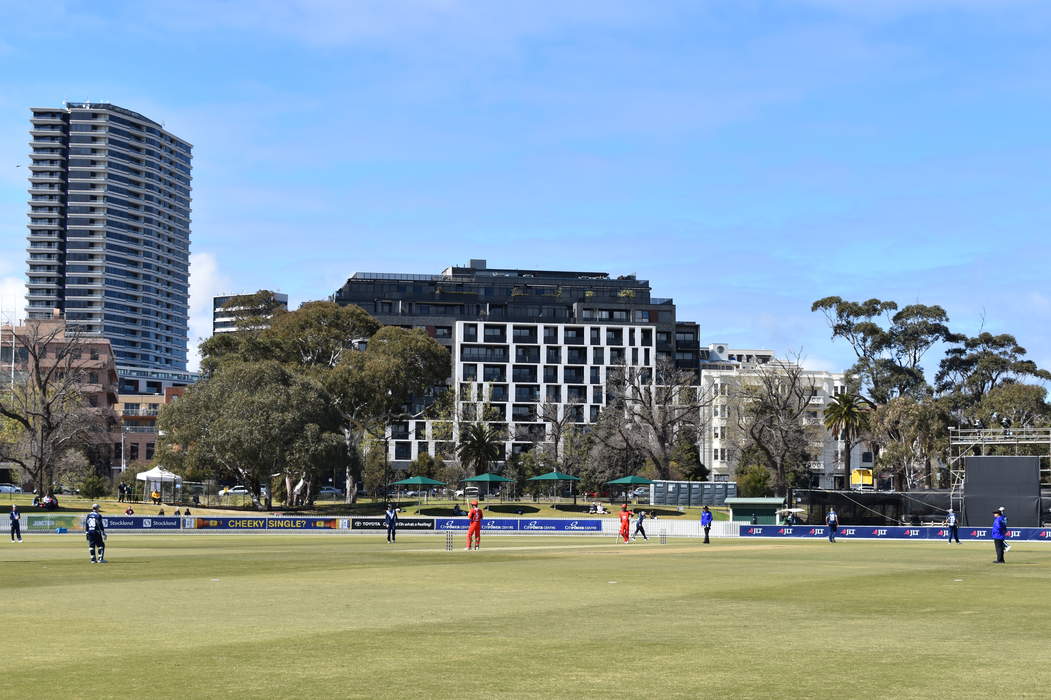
{"points": [[468, 492]]}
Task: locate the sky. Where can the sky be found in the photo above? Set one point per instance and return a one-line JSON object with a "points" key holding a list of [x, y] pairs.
{"points": [[747, 157]]}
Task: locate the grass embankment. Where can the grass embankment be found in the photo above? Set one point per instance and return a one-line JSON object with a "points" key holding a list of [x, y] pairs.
{"points": [[347, 616]]}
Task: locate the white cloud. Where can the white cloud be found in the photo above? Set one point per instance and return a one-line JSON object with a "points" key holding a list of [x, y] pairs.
{"points": [[12, 298], [206, 281]]}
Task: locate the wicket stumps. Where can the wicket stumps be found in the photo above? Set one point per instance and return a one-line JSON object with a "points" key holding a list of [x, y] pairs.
{"points": [[663, 537], [448, 542]]}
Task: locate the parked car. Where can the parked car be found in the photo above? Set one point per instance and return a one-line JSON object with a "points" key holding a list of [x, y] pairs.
{"points": [[641, 491], [234, 490], [468, 492], [329, 492], [10, 488]]}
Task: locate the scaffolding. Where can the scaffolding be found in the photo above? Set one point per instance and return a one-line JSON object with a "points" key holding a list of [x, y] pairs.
{"points": [[974, 442]]}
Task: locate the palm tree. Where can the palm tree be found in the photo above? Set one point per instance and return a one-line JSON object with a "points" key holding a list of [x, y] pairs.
{"points": [[479, 445], [847, 417]]}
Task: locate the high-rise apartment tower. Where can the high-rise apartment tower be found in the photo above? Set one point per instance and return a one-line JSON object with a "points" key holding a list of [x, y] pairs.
{"points": [[109, 231]]}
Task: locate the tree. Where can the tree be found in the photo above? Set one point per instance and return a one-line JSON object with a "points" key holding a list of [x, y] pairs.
{"points": [[768, 407], [686, 459], [372, 374], [1013, 406], [889, 359], [646, 411], [847, 417], [479, 445], [753, 481], [249, 421], [44, 412], [976, 366], [911, 434]]}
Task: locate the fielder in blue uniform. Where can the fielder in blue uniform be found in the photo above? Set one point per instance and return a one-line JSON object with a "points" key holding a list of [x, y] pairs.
{"points": [[639, 529], [953, 527], [706, 523], [832, 520], [16, 524], [390, 519], [96, 534]]}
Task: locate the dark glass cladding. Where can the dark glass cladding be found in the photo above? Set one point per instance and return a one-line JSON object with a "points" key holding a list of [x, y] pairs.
{"points": [[130, 230]]}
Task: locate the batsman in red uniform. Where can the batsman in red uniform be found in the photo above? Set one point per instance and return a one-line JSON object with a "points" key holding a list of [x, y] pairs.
{"points": [[625, 521], [474, 525]]}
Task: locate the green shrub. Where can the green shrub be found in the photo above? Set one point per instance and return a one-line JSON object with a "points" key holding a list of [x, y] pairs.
{"points": [[93, 486]]}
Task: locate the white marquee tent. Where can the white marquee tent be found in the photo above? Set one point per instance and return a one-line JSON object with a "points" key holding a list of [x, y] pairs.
{"points": [[155, 480]]}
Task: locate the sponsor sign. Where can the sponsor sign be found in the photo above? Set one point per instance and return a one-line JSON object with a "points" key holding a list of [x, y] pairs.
{"points": [[403, 524], [32, 522], [225, 523], [302, 524], [560, 525], [135, 522], [892, 533]]}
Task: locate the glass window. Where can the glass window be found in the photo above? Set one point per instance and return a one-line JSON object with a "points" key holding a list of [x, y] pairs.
{"points": [[554, 355], [550, 335], [554, 394], [550, 375], [470, 372], [470, 332]]}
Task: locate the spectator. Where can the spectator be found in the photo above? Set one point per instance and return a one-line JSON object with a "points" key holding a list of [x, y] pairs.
{"points": [[176, 513], [160, 512], [186, 512], [155, 496], [129, 511], [196, 501]]}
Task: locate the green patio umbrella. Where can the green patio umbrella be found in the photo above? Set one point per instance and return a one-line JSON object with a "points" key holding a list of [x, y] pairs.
{"points": [[629, 481], [418, 481], [488, 479], [556, 476]]}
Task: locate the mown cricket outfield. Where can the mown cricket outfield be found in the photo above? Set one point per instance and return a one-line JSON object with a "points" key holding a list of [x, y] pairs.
{"points": [[188, 616]]}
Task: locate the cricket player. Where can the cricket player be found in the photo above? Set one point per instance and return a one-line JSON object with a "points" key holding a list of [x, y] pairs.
{"points": [[706, 523], [639, 529], [832, 520], [625, 522], [390, 519], [96, 533], [953, 527], [474, 525], [16, 524]]}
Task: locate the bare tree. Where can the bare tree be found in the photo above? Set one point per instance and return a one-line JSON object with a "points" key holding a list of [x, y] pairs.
{"points": [[646, 410], [769, 405], [45, 410]]}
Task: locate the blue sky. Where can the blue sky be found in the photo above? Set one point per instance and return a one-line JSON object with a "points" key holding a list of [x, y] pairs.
{"points": [[747, 157]]}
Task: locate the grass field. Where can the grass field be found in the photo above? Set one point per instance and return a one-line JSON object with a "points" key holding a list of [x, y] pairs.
{"points": [[187, 616]]}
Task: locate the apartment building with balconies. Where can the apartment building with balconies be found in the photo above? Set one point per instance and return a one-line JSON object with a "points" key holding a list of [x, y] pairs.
{"points": [[109, 230]]}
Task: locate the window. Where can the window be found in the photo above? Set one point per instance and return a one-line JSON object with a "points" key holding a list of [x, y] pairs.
{"points": [[524, 334], [495, 334], [116, 451], [574, 335], [554, 394], [685, 337], [577, 356], [554, 356], [402, 450], [595, 375], [550, 335], [494, 373], [443, 332], [616, 356], [550, 375], [573, 375], [470, 332], [575, 413], [594, 414], [498, 392], [596, 336], [470, 372], [523, 373], [647, 336], [866, 457], [577, 394], [133, 451], [596, 394], [149, 450], [523, 412], [663, 337], [598, 356], [93, 377], [528, 392], [614, 336], [527, 353]]}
